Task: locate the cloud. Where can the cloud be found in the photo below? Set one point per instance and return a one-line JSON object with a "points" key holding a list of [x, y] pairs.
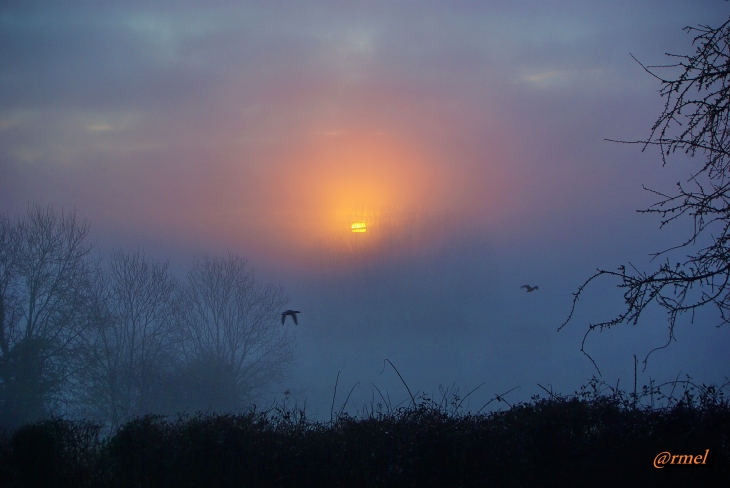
{"points": [[270, 109], [7, 124], [100, 128]]}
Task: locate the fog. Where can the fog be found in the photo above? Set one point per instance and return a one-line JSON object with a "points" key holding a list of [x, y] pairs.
{"points": [[457, 317], [470, 139]]}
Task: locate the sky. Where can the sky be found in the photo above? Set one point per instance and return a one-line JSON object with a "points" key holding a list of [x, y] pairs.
{"points": [[469, 137]]}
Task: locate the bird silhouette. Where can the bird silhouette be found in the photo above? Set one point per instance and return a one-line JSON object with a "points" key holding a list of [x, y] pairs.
{"points": [[529, 288], [293, 314]]}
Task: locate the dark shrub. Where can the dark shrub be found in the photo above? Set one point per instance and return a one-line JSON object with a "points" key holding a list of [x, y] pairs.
{"points": [[56, 453]]}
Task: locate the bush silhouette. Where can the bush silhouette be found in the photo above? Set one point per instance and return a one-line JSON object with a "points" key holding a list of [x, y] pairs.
{"points": [[588, 438], [55, 453]]}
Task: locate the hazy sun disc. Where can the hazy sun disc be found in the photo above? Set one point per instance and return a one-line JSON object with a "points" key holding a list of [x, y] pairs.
{"points": [[358, 227]]}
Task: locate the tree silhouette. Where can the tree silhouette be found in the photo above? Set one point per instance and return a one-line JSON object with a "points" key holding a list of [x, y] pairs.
{"points": [[134, 337], [694, 121], [45, 296], [233, 342]]}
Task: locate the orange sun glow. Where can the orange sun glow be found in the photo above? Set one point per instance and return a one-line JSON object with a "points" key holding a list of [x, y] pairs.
{"points": [[340, 181]]}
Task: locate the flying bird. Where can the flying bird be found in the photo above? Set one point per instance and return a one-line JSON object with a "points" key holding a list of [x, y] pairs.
{"points": [[293, 314], [529, 288]]}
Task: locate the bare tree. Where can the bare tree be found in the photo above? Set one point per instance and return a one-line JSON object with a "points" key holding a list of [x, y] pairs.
{"points": [[694, 121], [45, 290], [135, 340], [234, 344], [9, 255]]}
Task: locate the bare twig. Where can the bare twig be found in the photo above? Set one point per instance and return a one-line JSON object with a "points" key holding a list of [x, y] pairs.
{"points": [[413, 400], [332, 408]]}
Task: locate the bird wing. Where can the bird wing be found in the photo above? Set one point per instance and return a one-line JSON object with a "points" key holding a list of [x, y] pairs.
{"points": [[525, 286], [294, 316], [283, 318]]}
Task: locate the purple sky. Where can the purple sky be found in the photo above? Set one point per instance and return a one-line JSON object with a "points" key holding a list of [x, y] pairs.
{"points": [[468, 135]]}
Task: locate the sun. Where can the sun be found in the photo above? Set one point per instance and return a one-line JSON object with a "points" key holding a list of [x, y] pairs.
{"points": [[336, 192]]}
